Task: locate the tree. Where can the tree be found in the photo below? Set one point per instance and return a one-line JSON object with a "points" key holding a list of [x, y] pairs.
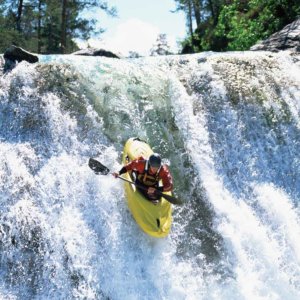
{"points": [[39, 25], [161, 46], [186, 6], [244, 23], [63, 40], [197, 11], [49, 26], [190, 18], [233, 24], [19, 15], [73, 25]]}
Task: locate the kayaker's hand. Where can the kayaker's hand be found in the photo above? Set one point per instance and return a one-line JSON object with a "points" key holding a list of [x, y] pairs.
{"points": [[115, 174], [151, 190]]}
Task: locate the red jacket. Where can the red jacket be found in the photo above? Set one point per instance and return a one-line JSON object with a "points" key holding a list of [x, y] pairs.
{"points": [[140, 167]]}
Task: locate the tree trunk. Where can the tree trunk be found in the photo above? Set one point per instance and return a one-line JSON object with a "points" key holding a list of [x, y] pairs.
{"points": [[197, 12], [212, 10], [190, 19], [19, 15], [63, 40], [39, 27]]}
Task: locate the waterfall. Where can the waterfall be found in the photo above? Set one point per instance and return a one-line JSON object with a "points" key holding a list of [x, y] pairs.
{"points": [[228, 124]]}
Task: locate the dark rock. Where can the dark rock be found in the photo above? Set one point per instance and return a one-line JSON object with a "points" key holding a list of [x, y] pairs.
{"points": [[8, 65], [187, 49], [1, 63], [286, 39], [96, 52], [14, 54], [202, 60]]}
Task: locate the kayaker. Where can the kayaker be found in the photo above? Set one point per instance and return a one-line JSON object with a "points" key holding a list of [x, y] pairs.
{"points": [[148, 173]]}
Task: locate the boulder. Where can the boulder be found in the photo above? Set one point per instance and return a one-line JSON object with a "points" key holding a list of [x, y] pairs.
{"points": [[286, 39], [15, 54], [1, 63], [97, 52]]}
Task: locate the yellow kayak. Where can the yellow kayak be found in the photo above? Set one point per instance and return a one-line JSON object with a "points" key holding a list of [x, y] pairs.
{"points": [[154, 219]]}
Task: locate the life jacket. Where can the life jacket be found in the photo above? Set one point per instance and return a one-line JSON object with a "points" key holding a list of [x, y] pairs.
{"points": [[148, 179]]}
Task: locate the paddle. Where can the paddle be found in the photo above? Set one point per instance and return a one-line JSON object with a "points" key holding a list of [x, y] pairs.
{"points": [[98, 168]]}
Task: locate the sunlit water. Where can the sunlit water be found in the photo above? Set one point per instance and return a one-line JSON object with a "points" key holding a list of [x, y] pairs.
{"points": [[228, 125]]}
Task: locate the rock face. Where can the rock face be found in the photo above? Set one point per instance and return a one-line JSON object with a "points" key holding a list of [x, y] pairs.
{"points": [[96, 52], [286, 39], [15, 54]]}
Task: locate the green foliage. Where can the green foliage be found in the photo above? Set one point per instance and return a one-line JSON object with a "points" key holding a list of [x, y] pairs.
{"points": [[244, 25], [191, 44], [43, 26], [8, 37], [238, 24], [161, 46]]}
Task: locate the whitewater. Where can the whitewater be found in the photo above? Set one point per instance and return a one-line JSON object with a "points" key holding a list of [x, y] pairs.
{"points": [[228, 124]]}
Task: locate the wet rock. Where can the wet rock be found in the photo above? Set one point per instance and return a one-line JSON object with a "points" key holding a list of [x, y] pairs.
{"points": [[15, 54], [1, 63], [97, 52], [286, 39]]}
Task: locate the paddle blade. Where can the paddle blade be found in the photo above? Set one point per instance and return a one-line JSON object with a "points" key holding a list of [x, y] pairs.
{"points": [[97, 167]]}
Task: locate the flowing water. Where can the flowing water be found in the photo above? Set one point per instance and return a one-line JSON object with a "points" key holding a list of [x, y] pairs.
{"points": [[228, 125]]}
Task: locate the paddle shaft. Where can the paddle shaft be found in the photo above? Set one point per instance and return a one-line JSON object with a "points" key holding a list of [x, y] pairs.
{"points": [[169, 198], [140, 186]]}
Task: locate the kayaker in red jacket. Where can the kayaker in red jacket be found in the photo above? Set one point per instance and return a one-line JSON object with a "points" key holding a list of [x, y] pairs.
{"points": [[148, 173]]}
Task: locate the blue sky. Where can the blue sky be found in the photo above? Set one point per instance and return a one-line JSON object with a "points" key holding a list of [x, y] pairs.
{"points": [[138, 24]]}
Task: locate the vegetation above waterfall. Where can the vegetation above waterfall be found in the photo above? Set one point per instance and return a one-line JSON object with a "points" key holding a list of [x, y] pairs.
{"points": [[51, 27], [48, 26], [222, 25]]}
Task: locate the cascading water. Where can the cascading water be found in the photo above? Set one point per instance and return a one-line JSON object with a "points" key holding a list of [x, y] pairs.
{"points": [[228, 125]]}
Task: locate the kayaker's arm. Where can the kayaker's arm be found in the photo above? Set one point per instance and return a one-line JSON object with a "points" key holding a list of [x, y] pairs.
{"points": [[167, 179], [123, 171], [133, 165]]}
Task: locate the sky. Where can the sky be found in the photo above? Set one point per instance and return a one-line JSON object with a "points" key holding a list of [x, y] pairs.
{"points": [[137, 26]]}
